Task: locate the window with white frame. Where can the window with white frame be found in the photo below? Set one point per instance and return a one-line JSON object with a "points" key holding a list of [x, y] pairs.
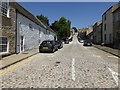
{"points": [[4, 7], [3, 44]]}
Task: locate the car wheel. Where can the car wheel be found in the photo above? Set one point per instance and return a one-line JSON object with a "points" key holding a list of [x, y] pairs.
{"points": [[57, 48], [40, 51], [53, 50]]}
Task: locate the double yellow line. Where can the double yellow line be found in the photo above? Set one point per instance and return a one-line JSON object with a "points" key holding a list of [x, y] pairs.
{"points": [[15, 66], [114, 57]]}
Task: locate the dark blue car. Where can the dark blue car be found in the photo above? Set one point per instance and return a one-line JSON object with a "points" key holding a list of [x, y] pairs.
{"points": [[87, 42]]}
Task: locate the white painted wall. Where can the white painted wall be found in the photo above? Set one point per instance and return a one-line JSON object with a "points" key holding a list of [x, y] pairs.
{"points": [[32, 37]]}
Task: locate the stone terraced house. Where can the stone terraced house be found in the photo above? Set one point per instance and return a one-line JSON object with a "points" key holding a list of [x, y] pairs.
{"points": [[110, 31], [107, 20], [20, 30], [97, 32], [116, 26]]}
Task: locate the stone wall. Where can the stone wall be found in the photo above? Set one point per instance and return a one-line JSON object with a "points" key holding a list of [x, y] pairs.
{"points": [[116, 28], [109, 27], [8, 29]]}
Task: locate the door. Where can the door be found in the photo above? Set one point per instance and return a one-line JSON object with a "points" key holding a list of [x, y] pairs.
{"points": [[21, 43], [110, 38]]}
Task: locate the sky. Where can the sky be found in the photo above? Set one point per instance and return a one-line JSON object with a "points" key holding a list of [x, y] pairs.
{"points": [[81, 14]]}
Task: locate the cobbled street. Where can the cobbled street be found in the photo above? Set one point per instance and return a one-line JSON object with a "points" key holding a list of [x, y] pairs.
{"points": [[73, 66]]}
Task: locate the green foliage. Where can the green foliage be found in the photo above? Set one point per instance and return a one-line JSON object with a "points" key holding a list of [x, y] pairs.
{"points": [[62, 28], [75, 29], [43, 19]]}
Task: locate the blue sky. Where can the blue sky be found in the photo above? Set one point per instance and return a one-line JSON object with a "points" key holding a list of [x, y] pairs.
{"points": [[81, 14]]}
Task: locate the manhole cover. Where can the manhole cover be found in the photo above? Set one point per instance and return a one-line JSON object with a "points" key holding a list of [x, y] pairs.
{"points": [[56, 63]]}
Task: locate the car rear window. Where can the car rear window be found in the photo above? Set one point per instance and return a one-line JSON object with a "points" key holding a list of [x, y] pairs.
{"points": [[88, 40]]}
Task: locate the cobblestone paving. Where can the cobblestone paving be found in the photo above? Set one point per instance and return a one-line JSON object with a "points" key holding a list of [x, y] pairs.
{"points": [[53, 70]]}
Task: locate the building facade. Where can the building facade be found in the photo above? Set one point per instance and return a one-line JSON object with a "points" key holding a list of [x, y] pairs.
{"points": [[20, 29], [97, 33], [72, 32], [7, 28], [89, 32], [110, 31], [116, 26], [107, 20]]}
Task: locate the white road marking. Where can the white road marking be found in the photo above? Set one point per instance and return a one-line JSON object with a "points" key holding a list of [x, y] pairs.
{"points": [[114, 75], [73, 69]]}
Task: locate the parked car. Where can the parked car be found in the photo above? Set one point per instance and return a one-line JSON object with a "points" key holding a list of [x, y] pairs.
{"points": [[71, 39], [87, 42], [48, 45], [81, 41], [66, 41], [59, 44]]}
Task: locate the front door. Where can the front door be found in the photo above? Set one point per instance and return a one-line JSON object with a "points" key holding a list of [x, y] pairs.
{"points": [[21, 43]]}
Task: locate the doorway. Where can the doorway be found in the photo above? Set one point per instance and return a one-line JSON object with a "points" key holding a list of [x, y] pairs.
{"points": [[21, 43]]}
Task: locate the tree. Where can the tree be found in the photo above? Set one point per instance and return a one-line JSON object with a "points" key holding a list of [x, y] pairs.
{"points": [[75, 29], [43, 19], [62, 28]]}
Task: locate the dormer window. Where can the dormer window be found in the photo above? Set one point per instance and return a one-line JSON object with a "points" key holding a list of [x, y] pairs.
{"points": [[4, 7]]}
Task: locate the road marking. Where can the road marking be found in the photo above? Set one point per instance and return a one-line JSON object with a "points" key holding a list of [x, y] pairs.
{"points": [[73, 69], [114, 75], [113, 57], [15, 66]]}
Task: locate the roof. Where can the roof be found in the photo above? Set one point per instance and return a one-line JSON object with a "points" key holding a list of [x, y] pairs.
{"points": [[107, 10], [114, 7], [28, 15], [25, 13], [97, 23]]}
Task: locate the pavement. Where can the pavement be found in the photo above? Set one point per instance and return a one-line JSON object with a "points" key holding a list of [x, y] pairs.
{"points": [[115, 52], [12, 59], [73, 66]]}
